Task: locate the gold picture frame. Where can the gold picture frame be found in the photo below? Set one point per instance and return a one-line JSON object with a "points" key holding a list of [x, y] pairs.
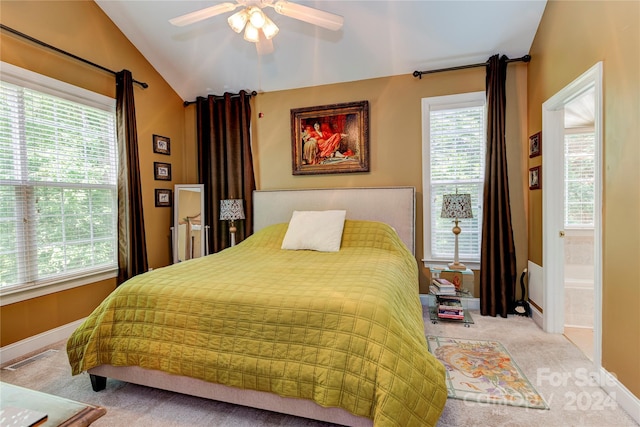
{"points": [[330, 139]]}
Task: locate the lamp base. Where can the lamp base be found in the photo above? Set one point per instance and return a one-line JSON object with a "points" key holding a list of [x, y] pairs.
{"points": [[457, 266], [232, 230]]}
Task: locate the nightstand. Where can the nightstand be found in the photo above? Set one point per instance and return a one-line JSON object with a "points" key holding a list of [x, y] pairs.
{"points": [[464, 281], [435, 301]]}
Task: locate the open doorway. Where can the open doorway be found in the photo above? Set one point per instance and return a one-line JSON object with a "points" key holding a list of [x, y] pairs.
{"points": [[572, 200], [579, 209]]}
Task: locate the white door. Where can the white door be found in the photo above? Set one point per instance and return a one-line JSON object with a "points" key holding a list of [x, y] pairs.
{"points": [[554, 111]]}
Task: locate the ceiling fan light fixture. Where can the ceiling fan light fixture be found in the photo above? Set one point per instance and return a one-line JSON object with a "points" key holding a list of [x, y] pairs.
{"points": [[310, 15], [257, 26], [238, 20], [269, 28], [251, 33], [256, 17]]}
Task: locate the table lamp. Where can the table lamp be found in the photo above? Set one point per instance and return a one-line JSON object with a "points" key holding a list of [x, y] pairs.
{"points": [[456, 206], [230, 210]]}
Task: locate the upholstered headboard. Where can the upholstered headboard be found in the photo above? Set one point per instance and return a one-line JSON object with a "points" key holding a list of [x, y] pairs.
{"points": [[395, 206]]}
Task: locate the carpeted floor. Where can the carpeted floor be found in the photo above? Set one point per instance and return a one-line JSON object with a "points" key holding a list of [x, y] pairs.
{"points": [[542, 357]]}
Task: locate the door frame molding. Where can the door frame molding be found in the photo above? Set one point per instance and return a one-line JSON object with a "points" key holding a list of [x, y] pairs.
{"points": [[553, 204]]}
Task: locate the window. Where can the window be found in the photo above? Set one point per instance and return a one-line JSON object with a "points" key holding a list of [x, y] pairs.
{"points": [[58, 189], [453, 150], [579, 157]]}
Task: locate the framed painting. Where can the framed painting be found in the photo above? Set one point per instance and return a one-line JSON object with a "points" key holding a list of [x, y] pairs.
{"points": [[163, 198], [162, 171], [330, 139], [535, 145], [535, 178], [161, 145]]}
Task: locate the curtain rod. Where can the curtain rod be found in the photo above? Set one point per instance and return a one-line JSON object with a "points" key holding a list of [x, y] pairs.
{"points": [[419, 74], [253, 93], [41, 43]]}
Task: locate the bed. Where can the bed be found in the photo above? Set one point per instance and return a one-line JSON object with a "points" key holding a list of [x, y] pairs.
{"points": [[332, 335]]}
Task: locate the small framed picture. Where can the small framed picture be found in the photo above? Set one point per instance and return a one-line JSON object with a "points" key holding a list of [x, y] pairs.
{"points": [[162, 171], [535, 145], [161, 144], [535, 178], [163, 198]]}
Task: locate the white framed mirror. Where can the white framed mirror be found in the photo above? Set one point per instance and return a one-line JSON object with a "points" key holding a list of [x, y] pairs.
{"points": [[189, 231]]}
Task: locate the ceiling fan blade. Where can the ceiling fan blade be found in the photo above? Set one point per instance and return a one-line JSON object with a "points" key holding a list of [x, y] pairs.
{"points": [[202, 14], [308, 14]]}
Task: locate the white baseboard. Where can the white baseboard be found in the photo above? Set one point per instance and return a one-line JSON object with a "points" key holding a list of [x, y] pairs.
{"points": [[535, 283], [537, 317], [29, 345], [424, 299], [618, 392], [473, 303]]}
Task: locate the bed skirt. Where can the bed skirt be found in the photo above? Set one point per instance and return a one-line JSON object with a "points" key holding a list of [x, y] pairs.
{"points": [[251, 398]]}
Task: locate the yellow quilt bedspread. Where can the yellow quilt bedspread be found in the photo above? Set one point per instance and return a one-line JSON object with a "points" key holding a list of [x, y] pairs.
{"points": [[343, 329]]}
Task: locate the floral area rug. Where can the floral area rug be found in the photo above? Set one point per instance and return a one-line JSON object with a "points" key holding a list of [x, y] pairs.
{"points": [[483, 371]]}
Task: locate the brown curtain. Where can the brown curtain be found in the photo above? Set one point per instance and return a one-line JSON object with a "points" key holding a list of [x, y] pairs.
{"points": [[132, 248], [225, 162], [498, 257]]}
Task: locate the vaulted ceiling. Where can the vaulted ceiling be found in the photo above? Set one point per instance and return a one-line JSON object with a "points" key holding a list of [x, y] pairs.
{"points": [[379, 38]]}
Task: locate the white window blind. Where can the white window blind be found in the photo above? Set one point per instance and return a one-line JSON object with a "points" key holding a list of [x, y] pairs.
{"points": [[454, 157], [58, 190], [579, 157]]}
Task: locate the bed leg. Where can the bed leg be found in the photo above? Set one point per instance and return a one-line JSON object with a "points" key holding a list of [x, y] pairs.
{"points": [[98, 383]]}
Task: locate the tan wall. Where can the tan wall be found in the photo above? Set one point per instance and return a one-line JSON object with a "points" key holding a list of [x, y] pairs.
{"points": [[22, 320], [81, 28], [572, 37], [395, 134]]}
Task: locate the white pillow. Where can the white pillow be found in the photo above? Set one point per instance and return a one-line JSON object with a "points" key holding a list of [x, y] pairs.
{"points": [[315, 230]]}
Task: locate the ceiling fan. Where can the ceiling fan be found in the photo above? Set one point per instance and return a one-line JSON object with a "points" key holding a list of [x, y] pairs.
{"points": [[257, 26]]}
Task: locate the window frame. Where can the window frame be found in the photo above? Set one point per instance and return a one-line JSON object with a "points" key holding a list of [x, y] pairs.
{"points": [[38, 82], [461, 100], [565, 159]]}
